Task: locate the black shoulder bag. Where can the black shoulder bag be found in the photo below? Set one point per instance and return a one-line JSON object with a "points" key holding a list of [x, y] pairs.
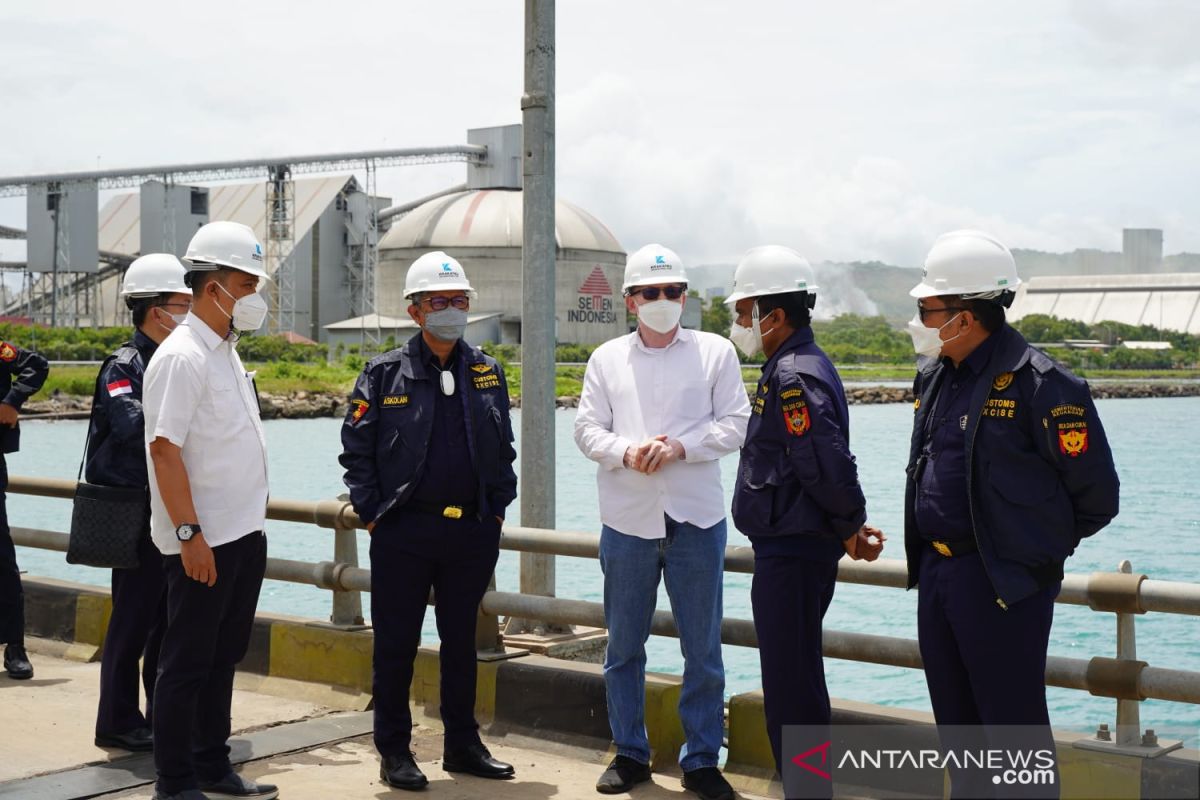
{"points": [[107, 522]]}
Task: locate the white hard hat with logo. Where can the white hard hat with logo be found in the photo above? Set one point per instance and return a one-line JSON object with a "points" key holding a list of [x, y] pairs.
{"points": [[969, 263], [653, 264], [772, 269], [226, 244], [154, 274], [435, 272]]}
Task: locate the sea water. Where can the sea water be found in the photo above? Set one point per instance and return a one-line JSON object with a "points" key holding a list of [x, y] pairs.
{"points": [[1156, 443]]}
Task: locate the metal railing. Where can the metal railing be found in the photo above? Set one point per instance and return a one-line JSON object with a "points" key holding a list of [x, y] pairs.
{"points": [[1123, 678]]}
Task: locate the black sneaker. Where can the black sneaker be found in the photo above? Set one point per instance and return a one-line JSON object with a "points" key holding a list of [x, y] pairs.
{"points": [[16, 663], [622, 775], [708, 783]]}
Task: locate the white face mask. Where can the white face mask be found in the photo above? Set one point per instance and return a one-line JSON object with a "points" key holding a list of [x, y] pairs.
{"points": [[928, 341], [249, 312], [749, 340], [660, 316], [176, 321]]}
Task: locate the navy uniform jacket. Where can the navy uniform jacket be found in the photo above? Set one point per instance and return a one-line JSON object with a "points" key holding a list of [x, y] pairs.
{"points": [[385, 437], [1040, 474], [22, 373], [116, 447], [797, 474]]}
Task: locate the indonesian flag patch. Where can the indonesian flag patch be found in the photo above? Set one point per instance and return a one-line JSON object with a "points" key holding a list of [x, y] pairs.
{"points": [[119, 387]]}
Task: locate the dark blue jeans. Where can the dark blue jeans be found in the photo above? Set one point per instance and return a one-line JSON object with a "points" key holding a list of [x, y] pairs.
{"points": [[692, 562]]}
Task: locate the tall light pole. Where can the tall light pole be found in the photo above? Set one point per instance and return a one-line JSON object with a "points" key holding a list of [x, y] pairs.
{"points": [[537, 303]]}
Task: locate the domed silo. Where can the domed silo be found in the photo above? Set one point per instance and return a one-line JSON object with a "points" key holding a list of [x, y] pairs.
{"points": [[482, 229]]}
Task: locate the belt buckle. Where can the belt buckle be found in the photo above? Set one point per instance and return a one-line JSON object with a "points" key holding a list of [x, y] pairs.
{"points": [[943, 549], [452, 512]]}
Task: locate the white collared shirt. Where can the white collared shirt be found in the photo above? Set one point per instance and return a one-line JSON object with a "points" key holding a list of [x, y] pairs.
{"points": [[690, 390], [197, 395]]}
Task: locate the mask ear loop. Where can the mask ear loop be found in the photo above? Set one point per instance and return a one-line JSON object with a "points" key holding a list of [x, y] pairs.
{"points": [[757, 323]]}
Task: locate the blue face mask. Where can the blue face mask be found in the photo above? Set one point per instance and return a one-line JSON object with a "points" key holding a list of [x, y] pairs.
{"points": [[449, 324]]}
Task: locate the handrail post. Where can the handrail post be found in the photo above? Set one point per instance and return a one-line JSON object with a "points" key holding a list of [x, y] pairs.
{"points": [[347, 605], [1129, 724]]}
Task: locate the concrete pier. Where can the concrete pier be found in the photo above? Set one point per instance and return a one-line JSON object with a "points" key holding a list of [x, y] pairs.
{"points": [[311, 751]]}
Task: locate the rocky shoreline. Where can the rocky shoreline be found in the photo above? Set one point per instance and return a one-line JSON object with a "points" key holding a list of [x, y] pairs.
{"points": [[311, 405]]}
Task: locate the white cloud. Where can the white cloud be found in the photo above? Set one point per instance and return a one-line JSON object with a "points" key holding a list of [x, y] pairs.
{"points": [[852, 132]]}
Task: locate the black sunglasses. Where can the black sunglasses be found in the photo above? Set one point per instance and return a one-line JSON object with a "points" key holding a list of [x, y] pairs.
{"points": [[652, 292], [922, 311], [462, 302]]}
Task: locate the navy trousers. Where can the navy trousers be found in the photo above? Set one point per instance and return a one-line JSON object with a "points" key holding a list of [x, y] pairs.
{"points": [[135, 630], [12, 600], [984, 665], [208, 632], [790, 596], [410, 554]]}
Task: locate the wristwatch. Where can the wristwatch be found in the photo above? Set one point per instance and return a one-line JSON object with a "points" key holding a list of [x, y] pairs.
{"points": [[186, 531]]}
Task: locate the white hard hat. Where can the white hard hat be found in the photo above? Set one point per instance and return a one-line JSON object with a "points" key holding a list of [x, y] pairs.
{"points": [[968, 263], [653, 264], [435, 272], [772, 269], [154, 274], [226, 244]]}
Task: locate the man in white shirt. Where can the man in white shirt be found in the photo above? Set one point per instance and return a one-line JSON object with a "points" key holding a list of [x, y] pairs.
{"points": [[659, 407], [208, 504]]}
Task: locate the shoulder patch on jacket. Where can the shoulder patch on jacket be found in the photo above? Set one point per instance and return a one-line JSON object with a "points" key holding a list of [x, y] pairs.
{"points": [[360, 408], [796, 419], [7, 352], [1073, 438]]}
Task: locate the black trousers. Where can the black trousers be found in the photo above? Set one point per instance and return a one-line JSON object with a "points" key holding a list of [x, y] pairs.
{"points": [[789, 597], [208, 631], [985, 666], [410, 554], [135, 631], [12, 600]]}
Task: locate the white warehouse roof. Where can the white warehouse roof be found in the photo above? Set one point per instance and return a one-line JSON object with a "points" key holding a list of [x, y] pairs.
{"points": [[1170, 301], [492, 218], [120, 217]]}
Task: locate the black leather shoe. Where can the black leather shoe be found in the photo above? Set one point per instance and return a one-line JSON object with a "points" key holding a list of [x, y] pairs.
{"points": [[476, 760], [137, 740], [622, 775], [235, 787], [186, 794], [708, 783], [16, 663], [402, 772]]}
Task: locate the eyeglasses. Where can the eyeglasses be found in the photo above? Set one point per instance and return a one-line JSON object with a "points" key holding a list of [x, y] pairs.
{"points": [[922, 312], [461, 302], [651, 293]]}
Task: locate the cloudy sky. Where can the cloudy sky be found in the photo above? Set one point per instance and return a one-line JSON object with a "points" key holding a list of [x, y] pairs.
{"points": [[852, 131]]}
